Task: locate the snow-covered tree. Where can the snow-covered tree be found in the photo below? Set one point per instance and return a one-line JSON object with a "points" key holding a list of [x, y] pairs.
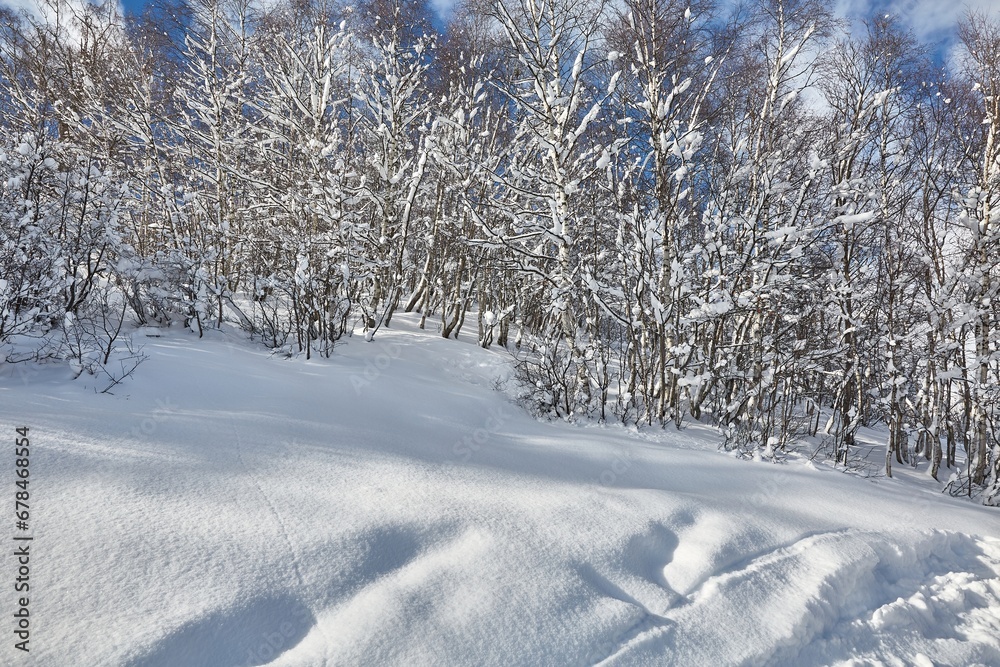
{"points": [[302, 233], [394, 117]]}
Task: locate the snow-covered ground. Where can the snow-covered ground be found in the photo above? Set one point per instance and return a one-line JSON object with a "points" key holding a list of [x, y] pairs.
{"points": [[390, 507]]}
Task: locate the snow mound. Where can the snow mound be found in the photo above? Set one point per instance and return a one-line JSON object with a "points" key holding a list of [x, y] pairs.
{"points": [[843, 597]]}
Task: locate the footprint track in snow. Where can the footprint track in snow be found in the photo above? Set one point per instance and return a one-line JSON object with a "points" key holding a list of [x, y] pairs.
{"points": [[292, 550], [828, 590], [294, 553]]}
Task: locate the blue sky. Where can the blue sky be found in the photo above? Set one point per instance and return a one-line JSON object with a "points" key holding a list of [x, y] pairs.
{"points": [[933, 21], [133, 5]]}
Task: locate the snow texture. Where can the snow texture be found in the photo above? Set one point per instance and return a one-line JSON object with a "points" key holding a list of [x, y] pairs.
{"points": [[389, 507]]}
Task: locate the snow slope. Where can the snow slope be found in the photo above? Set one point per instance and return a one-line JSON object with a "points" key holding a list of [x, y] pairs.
{"points": [[389, 507]]}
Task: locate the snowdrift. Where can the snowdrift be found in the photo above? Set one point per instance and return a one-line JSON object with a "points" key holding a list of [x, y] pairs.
{"points": [[388, 507]]}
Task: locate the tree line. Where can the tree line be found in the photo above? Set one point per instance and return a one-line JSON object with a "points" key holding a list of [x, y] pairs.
{"points": [[664, 209]]}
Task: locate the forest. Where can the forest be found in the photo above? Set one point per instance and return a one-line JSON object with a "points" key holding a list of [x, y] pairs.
{"points": [[757, 217]]}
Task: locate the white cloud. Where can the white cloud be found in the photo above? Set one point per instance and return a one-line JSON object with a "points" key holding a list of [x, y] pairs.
{"points": [[18, 5], [48, 9], [930, 20], [62, 16], [933, 22]]}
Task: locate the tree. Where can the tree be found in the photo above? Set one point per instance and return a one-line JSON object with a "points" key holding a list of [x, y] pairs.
{"points": [[546, 172], [981, 211], [394, 113]]}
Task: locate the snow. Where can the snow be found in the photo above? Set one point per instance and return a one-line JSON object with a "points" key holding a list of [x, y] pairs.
{"points": [[388, 506]]}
